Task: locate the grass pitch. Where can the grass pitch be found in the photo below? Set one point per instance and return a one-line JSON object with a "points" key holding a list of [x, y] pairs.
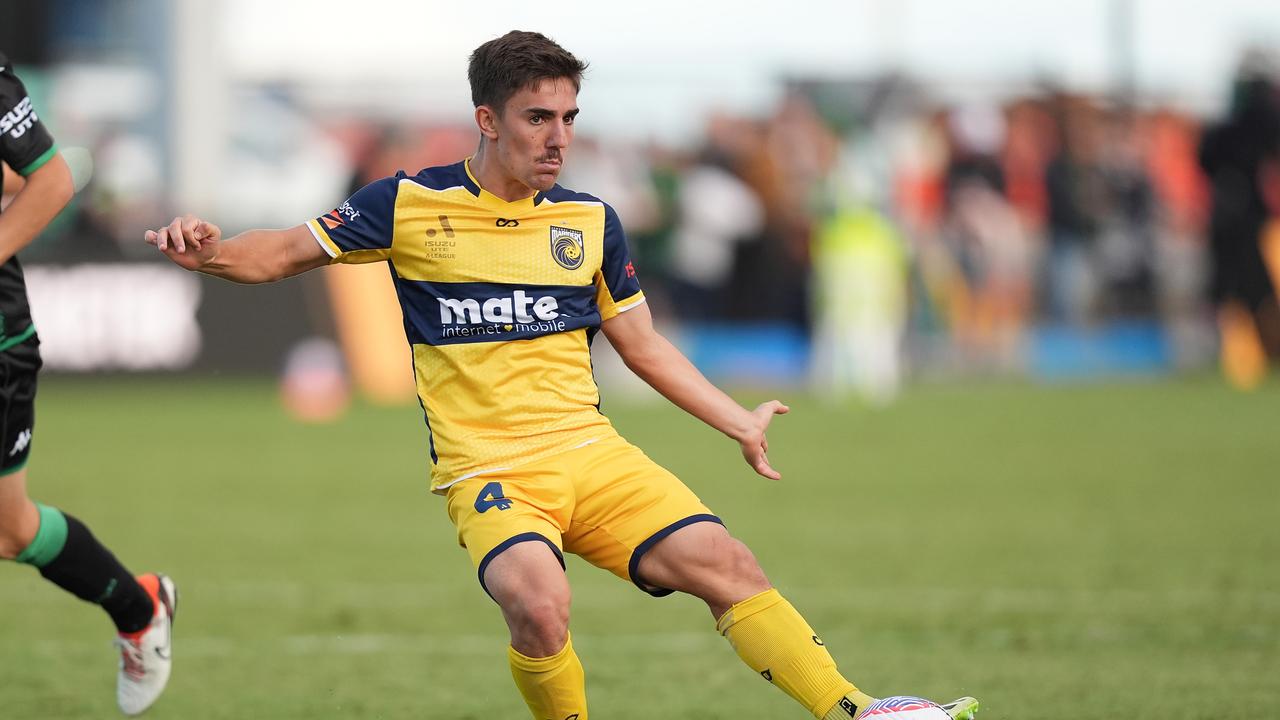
{"points": [[1058, 552]]}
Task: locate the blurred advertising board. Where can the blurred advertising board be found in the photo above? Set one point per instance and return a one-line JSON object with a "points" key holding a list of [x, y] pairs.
{"points": [[153, 317]]}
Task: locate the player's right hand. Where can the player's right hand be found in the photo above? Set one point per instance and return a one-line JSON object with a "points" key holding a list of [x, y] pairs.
{"points": [[188, 241]]}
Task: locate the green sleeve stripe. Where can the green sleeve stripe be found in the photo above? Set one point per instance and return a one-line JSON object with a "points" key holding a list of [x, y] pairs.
{"points": [[16, 468], [40, 161], [50, 538], [9, 342]]}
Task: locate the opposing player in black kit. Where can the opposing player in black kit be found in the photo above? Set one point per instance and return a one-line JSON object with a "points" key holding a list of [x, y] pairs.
{"points": [[57, 544]]}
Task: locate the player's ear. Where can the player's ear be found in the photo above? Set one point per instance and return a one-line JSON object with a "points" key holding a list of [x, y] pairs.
{"points": [[487, 120]]}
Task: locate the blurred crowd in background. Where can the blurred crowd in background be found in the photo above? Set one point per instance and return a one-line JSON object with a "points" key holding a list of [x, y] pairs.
{"points": [[869, 217], [890, 229], [860, 230]]}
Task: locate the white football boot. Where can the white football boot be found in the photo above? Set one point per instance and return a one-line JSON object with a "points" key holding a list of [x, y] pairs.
{"points": [[902, 706], [964, 708], [146, 656]]}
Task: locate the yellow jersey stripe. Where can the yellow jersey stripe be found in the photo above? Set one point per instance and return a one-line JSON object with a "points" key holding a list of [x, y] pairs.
{"points": [[629, 303], [356, 257], [322, 237]]}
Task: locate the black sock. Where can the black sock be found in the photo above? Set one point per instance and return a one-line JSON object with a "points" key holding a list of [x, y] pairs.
{"points": [[89, 571]]}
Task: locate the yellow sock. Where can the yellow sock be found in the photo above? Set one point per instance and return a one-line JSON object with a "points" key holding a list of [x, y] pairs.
{"points": [[854, 702], [553, 687], [771, 637]]}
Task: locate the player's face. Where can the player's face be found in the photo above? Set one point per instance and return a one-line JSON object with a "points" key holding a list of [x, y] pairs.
{"points": [[535, 130]]}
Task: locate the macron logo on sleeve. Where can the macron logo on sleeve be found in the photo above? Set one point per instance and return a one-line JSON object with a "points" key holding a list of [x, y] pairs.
{"points": [[19, 120]]}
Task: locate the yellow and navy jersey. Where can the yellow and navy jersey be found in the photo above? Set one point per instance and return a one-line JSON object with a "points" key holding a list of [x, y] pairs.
{"points": [[500, 302]]}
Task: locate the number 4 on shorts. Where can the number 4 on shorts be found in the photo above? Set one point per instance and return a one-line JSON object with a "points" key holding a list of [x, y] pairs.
{"points": [[491, 496]]}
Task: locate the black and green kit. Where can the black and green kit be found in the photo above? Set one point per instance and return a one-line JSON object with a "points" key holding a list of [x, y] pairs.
{"points": [[25, 146]]}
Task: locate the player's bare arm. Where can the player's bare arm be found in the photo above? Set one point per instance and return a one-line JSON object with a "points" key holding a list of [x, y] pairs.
{"points": [[652, 357], [43, 195], [13, 182], [254, 256]]}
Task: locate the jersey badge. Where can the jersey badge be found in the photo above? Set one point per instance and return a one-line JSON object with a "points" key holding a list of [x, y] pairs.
{"points": [[567, 247]]}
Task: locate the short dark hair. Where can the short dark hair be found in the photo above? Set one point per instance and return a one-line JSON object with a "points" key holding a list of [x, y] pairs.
{"points": [[504, 66]]}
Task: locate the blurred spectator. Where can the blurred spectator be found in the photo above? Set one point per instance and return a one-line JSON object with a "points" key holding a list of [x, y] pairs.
{"points": [[1126, 237], [651, 243], [860, 270], [786, 162], [1029, 138], [1241, 157], [715, 211], [1076, 202], [1181, 273], [987, 239]]}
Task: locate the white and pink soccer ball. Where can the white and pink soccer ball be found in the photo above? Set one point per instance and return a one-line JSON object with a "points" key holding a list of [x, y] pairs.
{"points": [[904, 707]]}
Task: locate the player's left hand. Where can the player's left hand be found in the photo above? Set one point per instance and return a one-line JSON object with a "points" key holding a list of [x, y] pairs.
{"points": [[753, 442]]}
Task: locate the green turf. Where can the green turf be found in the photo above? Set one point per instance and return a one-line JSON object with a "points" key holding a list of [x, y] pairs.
{"points": [[1064, 552]]}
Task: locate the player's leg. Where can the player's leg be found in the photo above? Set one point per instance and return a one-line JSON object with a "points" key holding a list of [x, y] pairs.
{"points": [[67, 554], [705, 561], [637, 520], [769, 635], [19, 517], [511, 525], [528, 583]]}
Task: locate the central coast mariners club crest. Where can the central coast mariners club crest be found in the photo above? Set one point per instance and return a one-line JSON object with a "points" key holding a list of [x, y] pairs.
{"points": [[567, 247]]}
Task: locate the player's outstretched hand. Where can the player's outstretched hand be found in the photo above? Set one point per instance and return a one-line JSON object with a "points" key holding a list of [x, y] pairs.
{"points": [[755, 445], [188, 241]]}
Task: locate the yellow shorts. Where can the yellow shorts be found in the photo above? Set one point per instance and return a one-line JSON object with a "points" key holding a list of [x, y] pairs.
{"points": [[606, 502]]}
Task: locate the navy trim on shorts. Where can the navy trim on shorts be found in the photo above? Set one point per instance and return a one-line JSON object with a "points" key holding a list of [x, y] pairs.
{"points": [[522, 537], [647, 545]]}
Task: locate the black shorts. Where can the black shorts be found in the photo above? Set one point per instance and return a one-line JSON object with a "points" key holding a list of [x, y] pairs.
{"points": [[18, 368]]}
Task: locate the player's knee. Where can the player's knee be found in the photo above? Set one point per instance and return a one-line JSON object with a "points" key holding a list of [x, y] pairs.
{"points": [[740, 566], [546, 620], [19, 518], [733, 577], [539, 623], [14, 538]]}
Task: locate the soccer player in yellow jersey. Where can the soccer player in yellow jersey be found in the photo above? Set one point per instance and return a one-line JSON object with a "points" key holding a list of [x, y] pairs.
{"points": [[503, 277]]}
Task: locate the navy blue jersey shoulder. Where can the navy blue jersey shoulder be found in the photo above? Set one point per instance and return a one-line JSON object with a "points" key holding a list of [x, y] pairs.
{"points": [[561, 194], [442, 177], [612, 225]]}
